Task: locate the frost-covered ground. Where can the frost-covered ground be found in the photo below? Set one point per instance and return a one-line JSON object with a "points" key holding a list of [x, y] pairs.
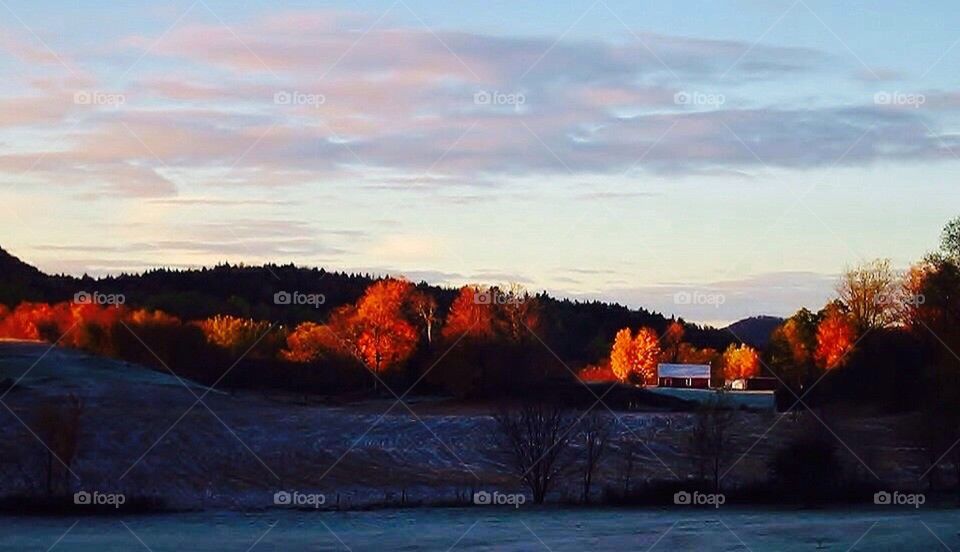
{"points": [[489, 529], [144, 433]]}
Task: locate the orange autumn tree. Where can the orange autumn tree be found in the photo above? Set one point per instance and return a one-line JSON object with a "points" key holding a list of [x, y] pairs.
{"points": [[468, 317], [623, 355], [648, 355], [635, 357], [34, 321], [489, 339], [377, 328], [789, 353], [308, 342], [690, 354], [101, 329], [914, 310], [740, 362], [92, 327], [71, 324], [793, 336], [672, 340], [836, 334]]}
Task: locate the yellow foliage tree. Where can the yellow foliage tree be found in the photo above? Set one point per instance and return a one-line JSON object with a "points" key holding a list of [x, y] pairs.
{"points": [[635, 358], [622, 354], [740, 362], [647, 349], [232, 333]]}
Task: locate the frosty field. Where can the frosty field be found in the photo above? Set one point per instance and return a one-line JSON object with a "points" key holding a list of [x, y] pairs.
{"points": [[225, 459], [495, 529], [145, 434]]}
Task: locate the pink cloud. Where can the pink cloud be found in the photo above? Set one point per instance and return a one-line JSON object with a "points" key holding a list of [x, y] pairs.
{"points": [[398, 102]]}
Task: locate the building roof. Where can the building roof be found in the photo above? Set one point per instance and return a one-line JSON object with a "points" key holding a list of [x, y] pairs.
{"points": [[683, 370]]}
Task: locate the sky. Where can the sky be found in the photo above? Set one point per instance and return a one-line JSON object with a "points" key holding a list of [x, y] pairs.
{"points": [[708, 159]]}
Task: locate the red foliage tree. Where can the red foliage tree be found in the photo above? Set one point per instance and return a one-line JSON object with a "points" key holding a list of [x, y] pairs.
{"points": [[376, 330], [597, 373], [28, 320], [836, 334], [468, 316]]}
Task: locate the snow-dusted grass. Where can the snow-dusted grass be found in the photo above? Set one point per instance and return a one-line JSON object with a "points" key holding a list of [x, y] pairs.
{"points": [[500, 529], [143, 433]]}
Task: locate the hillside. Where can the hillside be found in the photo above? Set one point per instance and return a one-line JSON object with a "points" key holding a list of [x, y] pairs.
{"points": [[581, 332], [20, 281], [754, 331]]}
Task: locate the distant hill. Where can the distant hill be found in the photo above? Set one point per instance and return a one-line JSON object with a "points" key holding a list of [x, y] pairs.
{"points": [[580, 332], [20, 281], [12, 268], [754, 331]]}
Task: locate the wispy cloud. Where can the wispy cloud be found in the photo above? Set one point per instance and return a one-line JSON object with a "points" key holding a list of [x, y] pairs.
{"points": [[398, 103]]}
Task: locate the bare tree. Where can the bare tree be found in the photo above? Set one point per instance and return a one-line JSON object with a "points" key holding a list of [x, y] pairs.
{"points": [[595, 432], [711, 437], [536, 438], [58, 425], [424, 308], [631, 451], [871, 292], [517, 310]]}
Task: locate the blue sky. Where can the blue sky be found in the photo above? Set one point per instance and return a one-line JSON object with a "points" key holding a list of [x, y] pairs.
{"points": [[643, 152]]}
